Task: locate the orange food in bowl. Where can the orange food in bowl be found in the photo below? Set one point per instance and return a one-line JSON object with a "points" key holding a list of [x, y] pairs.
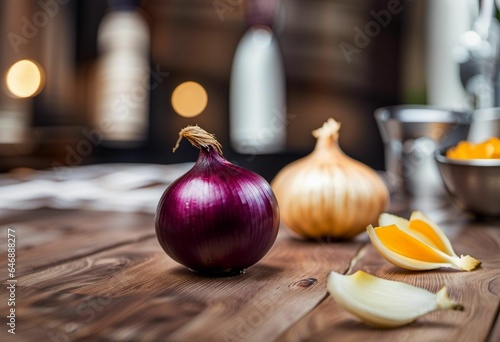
{"points": [[489, 149]]}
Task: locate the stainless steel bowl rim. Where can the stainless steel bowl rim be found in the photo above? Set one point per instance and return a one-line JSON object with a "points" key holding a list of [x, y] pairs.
{"points": [[467, 162], [428, 114]]}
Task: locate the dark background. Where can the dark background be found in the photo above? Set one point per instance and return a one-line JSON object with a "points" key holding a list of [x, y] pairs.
{"points": [[191, 41]]}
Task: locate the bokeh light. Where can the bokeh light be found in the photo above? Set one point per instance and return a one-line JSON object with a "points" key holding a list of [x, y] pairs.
{"points": [[24, 78], [189, 99]]}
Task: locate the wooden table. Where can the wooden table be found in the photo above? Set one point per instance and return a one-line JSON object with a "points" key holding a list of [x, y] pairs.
{"points": [[101, 276]]}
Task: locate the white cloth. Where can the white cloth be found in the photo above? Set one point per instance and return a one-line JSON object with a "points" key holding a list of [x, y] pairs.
{"points": [[108, 187]]}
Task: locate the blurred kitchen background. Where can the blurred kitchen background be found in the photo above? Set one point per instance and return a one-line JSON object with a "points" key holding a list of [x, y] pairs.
{"points": [[94, 81]]}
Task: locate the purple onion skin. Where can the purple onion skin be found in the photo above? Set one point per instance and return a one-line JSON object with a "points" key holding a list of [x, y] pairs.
{"points": [[218, 218]]}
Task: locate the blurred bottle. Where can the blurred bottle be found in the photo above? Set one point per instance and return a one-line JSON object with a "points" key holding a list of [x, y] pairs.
{"points": [[122, 91], [257, 98], [446, 21]]}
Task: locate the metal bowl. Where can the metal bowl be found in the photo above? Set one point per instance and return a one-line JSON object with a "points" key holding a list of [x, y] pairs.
{"points": [[474, 185], [411, 134]]}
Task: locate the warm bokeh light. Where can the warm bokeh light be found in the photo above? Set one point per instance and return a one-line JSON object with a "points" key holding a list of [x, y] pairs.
{"points": [[24, 78], [189, 99]]}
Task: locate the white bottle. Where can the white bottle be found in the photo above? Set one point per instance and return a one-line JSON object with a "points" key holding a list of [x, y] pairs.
{"points": [[257, 98], [122, 87]]}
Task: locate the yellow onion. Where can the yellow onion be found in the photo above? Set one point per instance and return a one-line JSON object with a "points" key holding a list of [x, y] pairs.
{"points": [[328, 194]]}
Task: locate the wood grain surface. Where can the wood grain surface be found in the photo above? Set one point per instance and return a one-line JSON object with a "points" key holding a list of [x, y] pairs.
{"points": [[49, 237], [87, 276], [478, 291]]}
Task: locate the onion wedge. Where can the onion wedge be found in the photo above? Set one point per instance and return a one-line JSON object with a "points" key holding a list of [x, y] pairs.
{"points": [[416, 244], [385, 303]]}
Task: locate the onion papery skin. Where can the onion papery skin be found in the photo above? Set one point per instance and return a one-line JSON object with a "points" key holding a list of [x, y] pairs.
{"points": [[326, 202], [327, 195], [218, 218]]}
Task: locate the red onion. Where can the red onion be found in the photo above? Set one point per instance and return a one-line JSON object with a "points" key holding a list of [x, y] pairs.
{"points": [[218, 218]]}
